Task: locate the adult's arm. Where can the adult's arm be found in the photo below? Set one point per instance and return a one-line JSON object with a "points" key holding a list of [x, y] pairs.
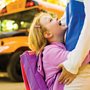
{"points": [[50, 5], [57, 9], [77, 56]]}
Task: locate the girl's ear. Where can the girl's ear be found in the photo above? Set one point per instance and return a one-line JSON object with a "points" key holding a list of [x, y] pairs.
{"points": [[48, 34]]}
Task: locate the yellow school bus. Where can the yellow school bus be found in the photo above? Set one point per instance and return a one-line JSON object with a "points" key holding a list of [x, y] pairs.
{"points": [[14, 42]]}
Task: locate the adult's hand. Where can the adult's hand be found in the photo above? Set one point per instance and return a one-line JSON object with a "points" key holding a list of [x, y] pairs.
{"points": [[66, 77]]}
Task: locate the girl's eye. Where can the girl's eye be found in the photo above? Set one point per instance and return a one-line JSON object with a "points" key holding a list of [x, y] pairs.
{"points": [[50, 20], [60, 23]]}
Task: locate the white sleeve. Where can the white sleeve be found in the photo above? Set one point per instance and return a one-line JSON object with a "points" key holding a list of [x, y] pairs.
{"points": [[76, 57]]}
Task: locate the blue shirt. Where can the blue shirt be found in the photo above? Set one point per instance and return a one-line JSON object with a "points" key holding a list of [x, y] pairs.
{"points": [[75, 15]]}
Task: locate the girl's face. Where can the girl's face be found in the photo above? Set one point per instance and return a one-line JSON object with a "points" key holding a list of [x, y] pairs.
{"points": [[52, 24]]}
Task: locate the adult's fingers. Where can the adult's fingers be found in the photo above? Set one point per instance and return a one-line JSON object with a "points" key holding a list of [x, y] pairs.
{"points": [[70, 80], [62, 76], [66, 81]]}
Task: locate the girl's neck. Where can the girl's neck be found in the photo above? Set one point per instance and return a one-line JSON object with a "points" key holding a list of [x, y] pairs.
{"points": [[58, 39]]}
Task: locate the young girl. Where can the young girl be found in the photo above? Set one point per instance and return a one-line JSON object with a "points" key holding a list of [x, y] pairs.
{"points": [[47, 34]]}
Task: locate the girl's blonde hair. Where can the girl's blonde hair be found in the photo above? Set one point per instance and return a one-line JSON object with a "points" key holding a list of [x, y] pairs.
{"points": [[36, 39]]}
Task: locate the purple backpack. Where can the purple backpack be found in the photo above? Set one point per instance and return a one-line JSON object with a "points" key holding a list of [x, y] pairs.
{"points": [[33, 70]]}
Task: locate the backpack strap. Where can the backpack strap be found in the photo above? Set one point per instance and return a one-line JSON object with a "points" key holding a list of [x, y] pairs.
{"points": [[40, 64], [24, 77]]}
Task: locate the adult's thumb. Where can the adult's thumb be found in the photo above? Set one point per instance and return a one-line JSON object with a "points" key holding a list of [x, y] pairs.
{"points": [[60, 66]]}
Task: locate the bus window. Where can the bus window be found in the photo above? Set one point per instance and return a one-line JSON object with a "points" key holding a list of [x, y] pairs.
{"points": [[18, 15]]}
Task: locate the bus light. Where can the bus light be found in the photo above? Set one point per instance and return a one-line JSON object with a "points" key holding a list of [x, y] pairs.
{"points": [[4, 10], [29, 4]]}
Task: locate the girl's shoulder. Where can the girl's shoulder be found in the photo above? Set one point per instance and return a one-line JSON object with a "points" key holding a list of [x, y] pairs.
{"points": [[55, 53], [54, 48], [50, 47]]}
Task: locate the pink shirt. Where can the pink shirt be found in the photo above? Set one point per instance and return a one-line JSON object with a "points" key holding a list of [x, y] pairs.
{"points": [[53, 55]]}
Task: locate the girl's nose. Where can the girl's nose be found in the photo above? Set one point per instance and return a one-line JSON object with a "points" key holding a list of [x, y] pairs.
{"points": [[66, 26]]}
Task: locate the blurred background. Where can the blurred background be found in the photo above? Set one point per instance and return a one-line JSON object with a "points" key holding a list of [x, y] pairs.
{"points": [[15, 19]]}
